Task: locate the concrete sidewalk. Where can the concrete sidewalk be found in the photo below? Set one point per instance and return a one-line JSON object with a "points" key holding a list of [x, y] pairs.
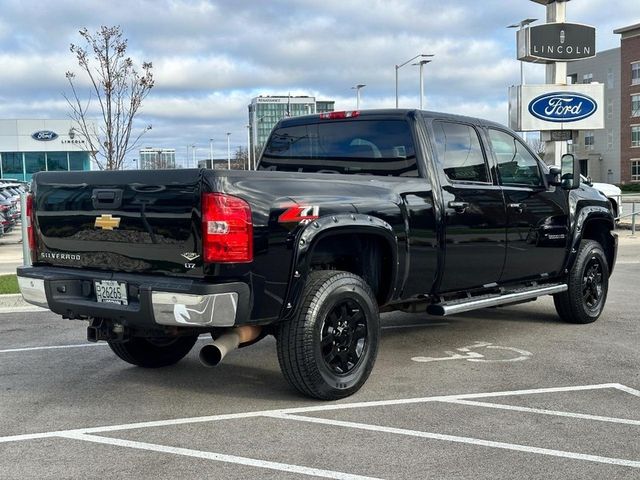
{"points": [[10, 251]]}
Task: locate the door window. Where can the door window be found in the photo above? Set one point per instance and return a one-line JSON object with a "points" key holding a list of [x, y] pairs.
{"points": [[460, 153], [516, 165]]}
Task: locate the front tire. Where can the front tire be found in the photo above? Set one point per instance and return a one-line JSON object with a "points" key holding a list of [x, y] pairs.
{"points": [[588, 284], [153, 352], [328, 349]]}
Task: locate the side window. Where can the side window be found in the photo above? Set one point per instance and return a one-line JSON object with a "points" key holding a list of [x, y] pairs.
{"points": [[460, 153], [516, 166]]}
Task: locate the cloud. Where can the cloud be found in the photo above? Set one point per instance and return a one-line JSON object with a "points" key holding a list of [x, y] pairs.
{"points": [[211, 57]]}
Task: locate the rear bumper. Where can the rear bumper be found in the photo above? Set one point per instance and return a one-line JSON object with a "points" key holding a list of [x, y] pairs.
{"points": [[152, 300]]}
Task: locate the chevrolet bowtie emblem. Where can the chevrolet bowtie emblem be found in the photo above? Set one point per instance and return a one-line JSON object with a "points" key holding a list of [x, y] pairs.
{"points": [[107, 222]]}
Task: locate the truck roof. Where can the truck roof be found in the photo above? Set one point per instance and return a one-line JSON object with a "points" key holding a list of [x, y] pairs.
{"points": [[394, 112]]}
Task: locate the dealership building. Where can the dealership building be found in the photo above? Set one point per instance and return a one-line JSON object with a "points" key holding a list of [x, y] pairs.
{"points": [[28, 146]]}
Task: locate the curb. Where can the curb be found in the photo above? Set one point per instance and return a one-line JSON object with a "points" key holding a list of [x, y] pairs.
{"points": [[15, 303]]}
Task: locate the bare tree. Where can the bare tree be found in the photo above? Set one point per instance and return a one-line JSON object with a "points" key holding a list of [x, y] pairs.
{"points": [[119, 90], [240, 158], [537, 146]]}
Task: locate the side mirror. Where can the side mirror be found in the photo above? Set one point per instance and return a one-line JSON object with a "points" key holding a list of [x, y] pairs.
{"points": [[570, 172], [553, 177]]}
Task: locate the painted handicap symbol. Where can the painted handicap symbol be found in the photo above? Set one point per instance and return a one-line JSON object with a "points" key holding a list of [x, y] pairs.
{"points": [[469, 354]]}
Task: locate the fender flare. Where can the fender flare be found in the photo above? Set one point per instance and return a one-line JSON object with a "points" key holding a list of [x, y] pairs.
{"points": [[313, 231], [585, 215]]}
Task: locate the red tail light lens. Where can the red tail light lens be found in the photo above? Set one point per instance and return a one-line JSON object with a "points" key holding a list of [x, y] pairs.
{"points": [[31, 234], [339, 115], [227, 230]]}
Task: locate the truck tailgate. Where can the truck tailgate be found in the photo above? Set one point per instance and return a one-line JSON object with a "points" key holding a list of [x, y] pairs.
{"points": [[128, 221]]}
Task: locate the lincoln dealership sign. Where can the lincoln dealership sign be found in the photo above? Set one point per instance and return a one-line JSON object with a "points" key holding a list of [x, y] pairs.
{"points": [[556, 42], [556, 107]]}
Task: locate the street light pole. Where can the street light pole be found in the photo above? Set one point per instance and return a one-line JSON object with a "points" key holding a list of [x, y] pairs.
{"points": [[398, 67], [421, 64], [248, 147], [193, 151], [520, 25], [228, 152], [211, 151], [357, 89]]}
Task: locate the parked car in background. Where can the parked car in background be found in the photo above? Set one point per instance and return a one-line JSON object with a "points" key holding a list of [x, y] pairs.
{"points": [[613, 193], [12, 207]]}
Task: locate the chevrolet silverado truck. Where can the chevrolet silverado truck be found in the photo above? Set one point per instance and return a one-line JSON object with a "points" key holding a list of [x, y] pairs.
{"points": [[350, 214]]}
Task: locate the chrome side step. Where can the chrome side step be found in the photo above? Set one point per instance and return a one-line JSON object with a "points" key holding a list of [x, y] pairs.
{"points": [[467, 304]]}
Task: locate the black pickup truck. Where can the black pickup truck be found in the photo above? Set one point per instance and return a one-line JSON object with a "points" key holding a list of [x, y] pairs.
{"points": [[348, 215]]}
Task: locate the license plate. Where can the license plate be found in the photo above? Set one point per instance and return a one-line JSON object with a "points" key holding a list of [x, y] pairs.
{"points": [[110, 291]]}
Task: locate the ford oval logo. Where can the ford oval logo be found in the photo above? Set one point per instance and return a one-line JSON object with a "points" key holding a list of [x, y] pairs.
{"points": [[44, 135], [562, 107]]}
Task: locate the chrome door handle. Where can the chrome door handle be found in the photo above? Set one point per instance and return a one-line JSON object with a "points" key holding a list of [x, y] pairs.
{"points": [[518, 207], [459, 207]]}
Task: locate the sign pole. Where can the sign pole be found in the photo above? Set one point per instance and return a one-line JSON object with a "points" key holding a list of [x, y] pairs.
{"points": [[556, 74]]}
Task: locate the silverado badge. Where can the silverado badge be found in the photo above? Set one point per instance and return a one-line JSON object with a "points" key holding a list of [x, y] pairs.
{"points": [[107, 222]]}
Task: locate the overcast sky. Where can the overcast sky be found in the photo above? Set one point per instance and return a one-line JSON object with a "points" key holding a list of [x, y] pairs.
{"points": [[211, 57]]}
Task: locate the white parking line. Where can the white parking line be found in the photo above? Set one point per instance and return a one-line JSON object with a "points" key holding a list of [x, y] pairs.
{"points": [[457, 439], [415, 325], [52, 347], [542, 411], [219, 457], [317, 408], [78, 345], [23, 309]]}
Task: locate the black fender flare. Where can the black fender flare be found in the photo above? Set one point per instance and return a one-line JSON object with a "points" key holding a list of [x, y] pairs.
{"points": [[315, 230], [586, 215]]}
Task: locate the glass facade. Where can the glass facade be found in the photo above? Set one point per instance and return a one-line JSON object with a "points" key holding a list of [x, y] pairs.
{"points": [[22, 165], [266, 112]]}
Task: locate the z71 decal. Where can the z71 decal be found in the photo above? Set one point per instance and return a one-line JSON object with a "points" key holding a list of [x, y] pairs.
{"points": [[300, 213]]}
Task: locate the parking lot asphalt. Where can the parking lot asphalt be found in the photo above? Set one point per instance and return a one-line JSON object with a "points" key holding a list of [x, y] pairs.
{"points": [[497, 393]]}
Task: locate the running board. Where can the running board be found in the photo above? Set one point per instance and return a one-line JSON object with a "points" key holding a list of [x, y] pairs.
{"points": [[466, 304]]}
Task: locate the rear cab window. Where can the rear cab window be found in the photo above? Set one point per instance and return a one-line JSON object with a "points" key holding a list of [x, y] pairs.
{"points": [[363, 146], [460, 152]]}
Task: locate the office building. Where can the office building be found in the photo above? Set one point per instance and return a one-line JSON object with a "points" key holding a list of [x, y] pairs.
{"points": [[630, 103], [266, 111], [28, 146], [598, 151], [612, 155], [157, 158]]}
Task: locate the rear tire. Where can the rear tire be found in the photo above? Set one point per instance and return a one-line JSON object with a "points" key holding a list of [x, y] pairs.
{"points": [[588, 283], [328, 349], [153, 353]]}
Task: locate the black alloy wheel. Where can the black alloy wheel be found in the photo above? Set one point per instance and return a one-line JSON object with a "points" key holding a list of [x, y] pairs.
{"points": [[588, 283], [344, 337], [328, 349], [592, 284]]}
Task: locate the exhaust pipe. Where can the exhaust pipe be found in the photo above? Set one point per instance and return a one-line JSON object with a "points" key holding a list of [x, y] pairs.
{"points": [[213, 353]]}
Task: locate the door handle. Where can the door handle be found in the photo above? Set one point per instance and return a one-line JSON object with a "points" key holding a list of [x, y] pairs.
{"points": [[518, 207], [459, 207]]}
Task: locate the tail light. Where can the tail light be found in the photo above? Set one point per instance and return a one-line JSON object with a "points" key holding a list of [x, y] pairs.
{"points": [[339, 115], [31, 234], [227, 230]]}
